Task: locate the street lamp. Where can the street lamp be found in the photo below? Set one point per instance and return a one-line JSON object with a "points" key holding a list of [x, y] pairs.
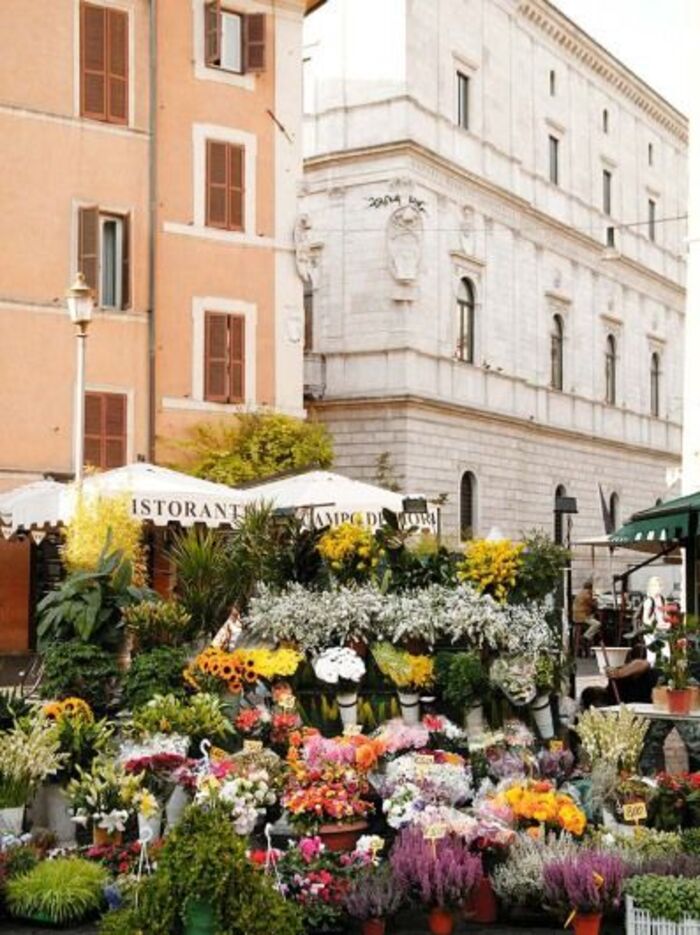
{"points": [[79, 301]]}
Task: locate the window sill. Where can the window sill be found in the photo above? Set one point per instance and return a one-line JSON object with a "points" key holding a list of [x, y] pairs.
{"points": [[202, 405], [245, 82], [217, 233]]}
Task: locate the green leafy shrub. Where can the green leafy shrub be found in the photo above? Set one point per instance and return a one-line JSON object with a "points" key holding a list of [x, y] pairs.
{"points": [[158, 672], [82, 670], [58, 891], [461, 678], [154, 624], [690, 841], [540, 572], [201, 716], [666, 897]]}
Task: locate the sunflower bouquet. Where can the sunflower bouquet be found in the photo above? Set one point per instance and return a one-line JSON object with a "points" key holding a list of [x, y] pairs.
{"points": [[216, 670]]}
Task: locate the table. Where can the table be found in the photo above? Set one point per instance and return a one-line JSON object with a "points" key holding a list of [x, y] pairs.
{"points": [[688, 726]]}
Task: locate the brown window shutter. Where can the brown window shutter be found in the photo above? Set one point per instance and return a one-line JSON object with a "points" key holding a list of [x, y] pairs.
{"points": [[93, 61], [114, 430], [236, 159], [88, 240], [237, 358], [216, 358], [92, 453], [117, 66], [254, 42], [126, 261], [217, 184], [212, 33]]}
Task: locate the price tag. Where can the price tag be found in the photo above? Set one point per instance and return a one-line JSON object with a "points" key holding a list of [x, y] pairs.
{"points": [[424, 759], [435, 832], [634, 811], [287, 702], [352, 730], [556, 746], [252, 746]]}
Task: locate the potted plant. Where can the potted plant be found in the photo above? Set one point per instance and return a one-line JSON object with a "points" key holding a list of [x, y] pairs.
{"points": [[588, 883], [374, 895], [667, 904], [410, 673], [681, 637], [29, 753], [58, 892], [439, 873], [103, 797], [200, 717], [541, 707], [464, 684], [343, 668]]}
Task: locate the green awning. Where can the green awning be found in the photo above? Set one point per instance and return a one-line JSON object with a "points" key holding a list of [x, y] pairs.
{"points": [[666, 523]]}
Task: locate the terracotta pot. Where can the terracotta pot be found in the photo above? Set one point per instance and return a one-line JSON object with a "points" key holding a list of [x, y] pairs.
{"points": [[679, 700], [482, 904], [101, 837], [441, 921], [342, 837], [373, 926], [659, 697], [587, 923]]}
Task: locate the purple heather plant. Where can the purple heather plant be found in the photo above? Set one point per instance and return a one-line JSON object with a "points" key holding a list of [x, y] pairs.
{"points": [[374, 894], [588, 881], [439, 873], [670, 865]]}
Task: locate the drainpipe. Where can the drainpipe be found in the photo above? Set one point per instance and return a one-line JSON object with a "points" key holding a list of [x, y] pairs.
{"points": [[152, 222]]}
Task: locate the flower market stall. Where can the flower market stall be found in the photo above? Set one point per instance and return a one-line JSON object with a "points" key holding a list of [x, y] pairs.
{"points": [[376, 738]]}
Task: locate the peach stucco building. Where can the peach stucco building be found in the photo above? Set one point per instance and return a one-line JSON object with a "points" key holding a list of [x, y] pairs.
{"points": [[155, 146]]}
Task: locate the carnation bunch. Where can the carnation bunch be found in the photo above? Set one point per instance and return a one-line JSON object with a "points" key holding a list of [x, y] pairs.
{"points": [[339, 666]]}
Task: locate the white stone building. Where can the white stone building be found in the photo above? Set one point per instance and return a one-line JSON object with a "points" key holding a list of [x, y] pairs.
{"points": [[493, 241]]}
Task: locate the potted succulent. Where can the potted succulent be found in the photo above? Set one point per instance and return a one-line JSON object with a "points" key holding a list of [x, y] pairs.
{"points": [[60, 892], [437, 871], [374, 895], [587, 884], [464, 684], [409, 672], [342, 667], [29, 753]]}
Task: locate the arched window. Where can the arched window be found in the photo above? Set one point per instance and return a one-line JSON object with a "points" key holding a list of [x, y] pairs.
{"points": [[466, 304], [610, 370], [606, 120], [467, 505], [558, 517], [655, 385], [614, 510], [557, 353]]}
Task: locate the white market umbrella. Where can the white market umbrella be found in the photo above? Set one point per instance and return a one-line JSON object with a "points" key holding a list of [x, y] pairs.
{"points": [[157, 495]]}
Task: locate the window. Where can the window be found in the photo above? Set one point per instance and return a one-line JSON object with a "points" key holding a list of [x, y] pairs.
{"points": [[105, 430], [607, 192], [651, 216], [557, 353], [650, 154], [467, 506], [655, 385], [606, 120], [463, 100], [552, 83], [103, 256], [559, 517], [308, 316], [553, 160], [614, 511], [104, 63], [224, 358], [610, 370], [233, 41], [466, 304], [225, 186]]}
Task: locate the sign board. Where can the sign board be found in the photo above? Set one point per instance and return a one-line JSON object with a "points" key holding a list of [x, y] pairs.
{"points": [[252, 746], [634, 811]]}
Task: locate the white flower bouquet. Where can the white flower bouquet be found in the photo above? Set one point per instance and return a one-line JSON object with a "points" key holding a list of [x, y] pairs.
{"points": [[340, 666], [28, 754], [246, 797], [515, 676]]}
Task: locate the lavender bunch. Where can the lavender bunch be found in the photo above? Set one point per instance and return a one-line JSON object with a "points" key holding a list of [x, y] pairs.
{"points": [[374, 894], [588, 881], [437, 873]]}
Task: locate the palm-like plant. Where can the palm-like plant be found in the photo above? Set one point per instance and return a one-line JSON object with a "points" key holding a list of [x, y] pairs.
{"points": [[200, 558]]}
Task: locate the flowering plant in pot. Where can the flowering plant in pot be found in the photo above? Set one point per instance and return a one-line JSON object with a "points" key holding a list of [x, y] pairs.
{"points": [[438, 873], [374, 896], [343, 668], [588, 883], [463, 682], [351, 552], [103, 796], [678, 642], [29, 753]]}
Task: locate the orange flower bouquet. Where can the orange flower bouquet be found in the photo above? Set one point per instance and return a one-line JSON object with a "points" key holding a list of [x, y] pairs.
{"points": [[536, 805]]}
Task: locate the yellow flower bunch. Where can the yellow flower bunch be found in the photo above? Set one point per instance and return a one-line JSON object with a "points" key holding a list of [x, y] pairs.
{"points": [[74, 708], [538, 801], [241, 667], [351, 546], [94, 520], [492, 567], [275, 663], [403, 668]]}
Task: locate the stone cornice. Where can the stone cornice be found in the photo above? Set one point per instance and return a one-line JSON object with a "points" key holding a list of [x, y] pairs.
{"points": [[539, 219], [363, 403], [579, 44]]}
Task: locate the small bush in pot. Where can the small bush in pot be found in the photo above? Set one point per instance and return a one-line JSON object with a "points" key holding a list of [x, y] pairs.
{"points": [[374, 896], [156, 672], [83, 670], [589, 882], [462, 679], [61, 891], [664, 897]]}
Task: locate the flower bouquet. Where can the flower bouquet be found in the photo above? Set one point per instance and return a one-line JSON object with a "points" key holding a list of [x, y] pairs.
{"points": [[234, 672], [245, 797], [29, 753], [410, 674], [351, 551], [441, 777], [612, 737], [342, 667], [589, 883], [253, 723], [103, 796], [515, 677], [536, 805]]}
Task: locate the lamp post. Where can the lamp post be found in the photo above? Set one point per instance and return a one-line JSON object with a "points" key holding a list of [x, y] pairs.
{"points": [[79, 301]]}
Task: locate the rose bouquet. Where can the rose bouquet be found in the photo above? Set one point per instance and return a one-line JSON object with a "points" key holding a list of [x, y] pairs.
{"points": [[253, 722]]}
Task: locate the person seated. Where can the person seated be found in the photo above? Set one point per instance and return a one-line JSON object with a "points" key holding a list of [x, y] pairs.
{"points": [[583, 612], [635, 680]]}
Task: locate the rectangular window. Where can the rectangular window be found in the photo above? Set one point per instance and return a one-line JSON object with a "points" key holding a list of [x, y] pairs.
{"points": [[553, 160], [224, 358], [552, 83], [463, 100], [103, 256], [308, 316], [225, 186], [651, 209], [105, 430], [607, 192], [233, 41], [104, 63]]}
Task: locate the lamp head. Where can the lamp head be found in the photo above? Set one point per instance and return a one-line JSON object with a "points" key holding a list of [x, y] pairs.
{"points": [[79, 301]]}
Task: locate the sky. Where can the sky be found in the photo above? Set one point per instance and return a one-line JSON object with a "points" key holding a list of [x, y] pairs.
{"points": [[649, 36]]}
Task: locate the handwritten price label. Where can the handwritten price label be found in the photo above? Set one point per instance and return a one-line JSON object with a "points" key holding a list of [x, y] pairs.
{"points": [[435, 832], [352, 730], [556, 746], [252, 746], [424, 759], [287, 702], [634, 811]]}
